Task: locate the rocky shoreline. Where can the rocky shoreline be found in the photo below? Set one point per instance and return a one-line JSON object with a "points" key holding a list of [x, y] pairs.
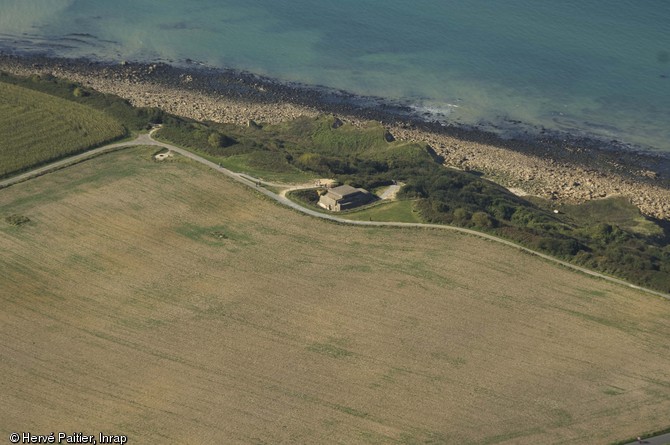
{"points": [[554, 166]]}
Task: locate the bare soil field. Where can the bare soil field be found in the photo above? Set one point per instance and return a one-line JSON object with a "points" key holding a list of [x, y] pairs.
{"points": [[165, 302]]}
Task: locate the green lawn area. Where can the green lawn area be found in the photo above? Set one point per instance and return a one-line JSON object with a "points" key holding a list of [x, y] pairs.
{"points": [[38, 128], [614, 210], [399, 211], [246, 163], [298, 150], [267, 165]]}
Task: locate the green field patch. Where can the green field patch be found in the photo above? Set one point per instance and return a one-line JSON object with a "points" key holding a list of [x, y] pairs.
{"points": [[222, 312], [87, 263], [561, 417], [454, 361], [361, 268], [273, 189], [38, 128], [621, 325], [350, 411], [426, 274], [142, 324], [615, 211], [503, 301], [17, 220], [265, 166], [422, 437], [591, 293], [373, 437], [329, 350], [390, 377], [613, 391], [132, 118], [499, 438], [213, 235], [396, 211]]}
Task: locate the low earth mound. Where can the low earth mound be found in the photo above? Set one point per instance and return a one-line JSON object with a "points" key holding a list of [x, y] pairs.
{"points": [[164, 302]]}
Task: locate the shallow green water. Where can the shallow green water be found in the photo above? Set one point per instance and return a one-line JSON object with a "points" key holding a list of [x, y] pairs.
{"points": [[590, 66]]}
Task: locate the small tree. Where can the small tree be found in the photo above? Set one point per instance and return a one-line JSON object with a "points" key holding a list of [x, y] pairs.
{"points": [[482, 219], [461, 216], [79, 92], [215, 140], [218, 140]]}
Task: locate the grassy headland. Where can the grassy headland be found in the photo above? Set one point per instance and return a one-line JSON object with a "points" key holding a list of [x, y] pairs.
{"points": [[607, 235], [566, 171], [610, 235]]}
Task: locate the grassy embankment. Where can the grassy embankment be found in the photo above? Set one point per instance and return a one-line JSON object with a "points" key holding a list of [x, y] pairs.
{"points": [[610, 235], [45, 119], [157, 314]]}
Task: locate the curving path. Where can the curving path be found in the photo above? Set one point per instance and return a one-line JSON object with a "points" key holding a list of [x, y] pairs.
{"points": [[143, 139], [663, 439], [147, 139]]}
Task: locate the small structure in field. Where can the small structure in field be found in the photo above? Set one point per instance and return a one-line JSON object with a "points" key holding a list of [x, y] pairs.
{"points": [[344, 197], [163, 156]]}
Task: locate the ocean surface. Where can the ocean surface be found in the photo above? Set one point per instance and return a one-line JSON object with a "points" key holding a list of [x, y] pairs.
{"points": [[587, 67]]}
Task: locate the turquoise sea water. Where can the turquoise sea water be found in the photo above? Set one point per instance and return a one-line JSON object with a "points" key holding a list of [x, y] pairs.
{"points": [[598, 67]]}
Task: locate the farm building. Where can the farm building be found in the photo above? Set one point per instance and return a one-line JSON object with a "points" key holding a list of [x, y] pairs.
{"points": [[344, 197]]}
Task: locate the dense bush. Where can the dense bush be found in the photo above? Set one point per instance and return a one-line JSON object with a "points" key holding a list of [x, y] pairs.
{"points": [[218, 140], [309, 196], [17, 220]]}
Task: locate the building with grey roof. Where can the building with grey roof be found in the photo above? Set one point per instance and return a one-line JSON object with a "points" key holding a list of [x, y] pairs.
{"points": [[344, 197]]}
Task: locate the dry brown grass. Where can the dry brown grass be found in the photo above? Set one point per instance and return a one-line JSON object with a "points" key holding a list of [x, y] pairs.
{"points": [[164, 302]]}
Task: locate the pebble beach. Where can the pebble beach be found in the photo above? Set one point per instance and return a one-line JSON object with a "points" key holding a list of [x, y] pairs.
{"points": [[563, 171]]}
